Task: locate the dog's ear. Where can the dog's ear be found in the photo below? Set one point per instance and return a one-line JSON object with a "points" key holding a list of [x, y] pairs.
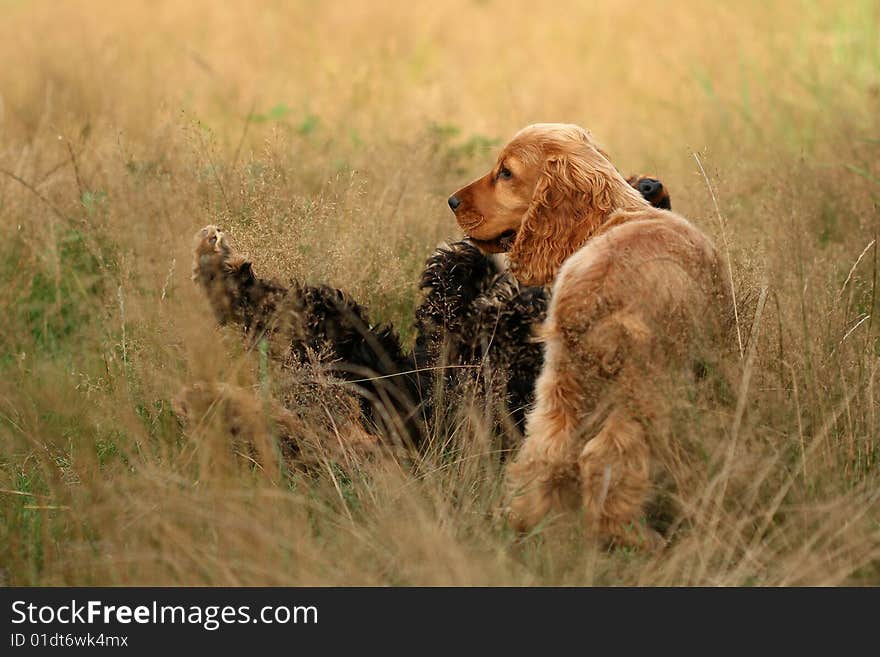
{"points": [[571, 198], [652, 190], [241, 270]]}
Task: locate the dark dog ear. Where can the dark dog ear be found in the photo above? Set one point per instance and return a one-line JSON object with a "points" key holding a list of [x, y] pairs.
{"points": [[652, 190], [245, 271], [239, 270]]}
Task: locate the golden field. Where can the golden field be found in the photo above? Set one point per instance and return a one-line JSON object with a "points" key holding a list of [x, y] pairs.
{"points": [[325, 138]]}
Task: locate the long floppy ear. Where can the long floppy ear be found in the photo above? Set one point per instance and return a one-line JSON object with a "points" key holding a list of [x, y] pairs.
{"points": [[572, 197]]}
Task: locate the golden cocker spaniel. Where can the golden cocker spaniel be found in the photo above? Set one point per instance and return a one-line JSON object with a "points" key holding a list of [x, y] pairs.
{"points": [[638, 295]]}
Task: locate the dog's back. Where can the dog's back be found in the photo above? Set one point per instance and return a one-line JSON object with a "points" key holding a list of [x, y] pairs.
{"points": [[631, 312]]}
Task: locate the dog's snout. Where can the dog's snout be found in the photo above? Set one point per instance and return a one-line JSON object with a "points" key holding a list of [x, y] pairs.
{"points": [[454, 202], [649, 186]]}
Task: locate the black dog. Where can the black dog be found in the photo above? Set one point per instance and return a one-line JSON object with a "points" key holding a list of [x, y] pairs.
{"points": [[474, 331], [313, 323]]}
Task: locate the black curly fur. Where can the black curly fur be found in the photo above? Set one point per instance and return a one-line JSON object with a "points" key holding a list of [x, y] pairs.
{"points": [[477, 322], [317, 322], [453, 278], [505, 319], [338, 329]]}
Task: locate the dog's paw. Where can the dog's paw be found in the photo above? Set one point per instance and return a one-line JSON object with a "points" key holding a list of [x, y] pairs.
{"points": [[211, 251], [635, 536], [213, 256]]}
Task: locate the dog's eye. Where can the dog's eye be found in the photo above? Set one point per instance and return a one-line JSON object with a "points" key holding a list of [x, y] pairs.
{"points": [[504, 174]]}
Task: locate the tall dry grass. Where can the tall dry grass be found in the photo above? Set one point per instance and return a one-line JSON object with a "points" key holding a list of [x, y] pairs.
{"points": [[325, 137]]}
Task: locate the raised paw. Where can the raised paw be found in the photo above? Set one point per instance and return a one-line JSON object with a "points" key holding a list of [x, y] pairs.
{"points": [[224, 275], [211, 253]]}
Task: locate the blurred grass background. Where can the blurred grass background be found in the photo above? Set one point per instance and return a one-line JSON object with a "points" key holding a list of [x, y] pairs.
{"points": [[325, 137]]}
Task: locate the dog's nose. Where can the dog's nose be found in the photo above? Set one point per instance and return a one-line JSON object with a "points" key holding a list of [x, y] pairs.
{"points": [[649, 186], [454, 202]]}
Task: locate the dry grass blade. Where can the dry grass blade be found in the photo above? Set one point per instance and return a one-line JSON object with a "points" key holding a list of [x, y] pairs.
{"points": [[726, 244]]}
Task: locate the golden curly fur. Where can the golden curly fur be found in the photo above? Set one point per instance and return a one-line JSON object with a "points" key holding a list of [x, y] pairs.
{"points": [[639, 296]]}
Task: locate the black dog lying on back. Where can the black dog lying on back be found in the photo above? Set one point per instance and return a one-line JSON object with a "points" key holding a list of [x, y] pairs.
{"points": [[473, 332], [312, 324]]}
